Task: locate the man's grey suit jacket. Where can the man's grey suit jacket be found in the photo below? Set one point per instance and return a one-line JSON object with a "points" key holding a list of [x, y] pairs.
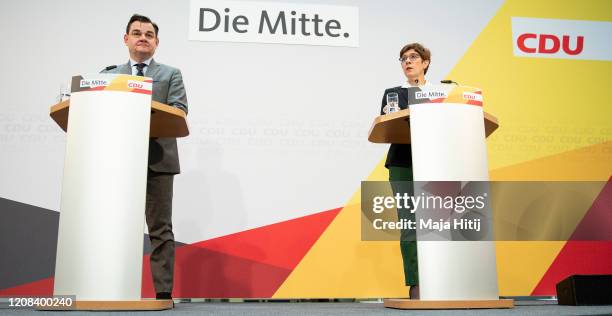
{"points": [[168, 88]]}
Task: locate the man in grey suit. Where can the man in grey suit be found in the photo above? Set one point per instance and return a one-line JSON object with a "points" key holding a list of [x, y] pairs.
{"points": [[141, 38]]}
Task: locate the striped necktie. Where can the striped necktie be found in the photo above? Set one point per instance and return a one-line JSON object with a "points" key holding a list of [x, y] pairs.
{"points": [[140, 68]]}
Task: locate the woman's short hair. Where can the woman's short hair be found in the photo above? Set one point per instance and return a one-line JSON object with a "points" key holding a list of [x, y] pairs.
{"points": [[420, 49]]}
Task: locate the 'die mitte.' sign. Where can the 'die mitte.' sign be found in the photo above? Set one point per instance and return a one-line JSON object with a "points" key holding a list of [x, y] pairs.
{"points": [[273, 22]]}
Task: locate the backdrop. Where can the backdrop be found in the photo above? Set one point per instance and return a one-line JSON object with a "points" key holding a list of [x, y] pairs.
{"points": [[267, 204]]}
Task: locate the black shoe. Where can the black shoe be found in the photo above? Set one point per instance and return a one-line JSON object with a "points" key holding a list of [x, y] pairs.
{"points": [[414, 292], [163, 296]]}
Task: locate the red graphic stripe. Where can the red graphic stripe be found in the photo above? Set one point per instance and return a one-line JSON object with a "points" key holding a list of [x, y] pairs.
{"points": [[42, 287], [584, 257], [141, 91], [99, 88], [438, 100], [597, 222], [576, 257], [208, 274], [250, 264], [282, 244]]}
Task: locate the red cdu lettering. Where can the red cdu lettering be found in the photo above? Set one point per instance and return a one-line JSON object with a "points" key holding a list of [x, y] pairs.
{"points": [[135, 85], [543, 40], [549, 44], [520, 41], [579, 45]]}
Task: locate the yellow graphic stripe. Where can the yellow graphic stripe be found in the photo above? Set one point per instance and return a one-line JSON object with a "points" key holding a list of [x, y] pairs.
{"points": [[591, 163], [456, 95], [545, 106], [341, 265], [120, 83], [521, 264]]}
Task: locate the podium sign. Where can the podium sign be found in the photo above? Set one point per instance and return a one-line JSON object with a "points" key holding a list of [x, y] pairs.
{"points": [[99, 252]]}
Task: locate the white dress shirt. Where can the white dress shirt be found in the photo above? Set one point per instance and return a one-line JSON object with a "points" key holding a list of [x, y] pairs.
{"points": [[407, 84], [135, 69]]}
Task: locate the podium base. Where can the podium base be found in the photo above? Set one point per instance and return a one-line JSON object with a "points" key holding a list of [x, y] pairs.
{"points": [[400, 303], [142, 305]]}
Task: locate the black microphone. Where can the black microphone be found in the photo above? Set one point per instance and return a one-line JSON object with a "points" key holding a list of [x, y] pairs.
{"points": [[448, 82], [416, 82], [110, 67]]}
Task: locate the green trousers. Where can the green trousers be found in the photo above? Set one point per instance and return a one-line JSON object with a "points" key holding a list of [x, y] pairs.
{"points": [[408, 245]]}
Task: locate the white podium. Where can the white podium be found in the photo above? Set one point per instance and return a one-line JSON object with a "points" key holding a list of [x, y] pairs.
{"points": [[447, 127], [100, 239]]}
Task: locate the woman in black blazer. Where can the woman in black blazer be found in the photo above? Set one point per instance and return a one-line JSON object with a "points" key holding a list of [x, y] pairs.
{"points": [[415, 60]]}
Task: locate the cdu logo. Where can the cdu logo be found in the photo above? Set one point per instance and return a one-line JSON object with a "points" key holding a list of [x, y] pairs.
{"points": [[563, 39], [549, 44]]}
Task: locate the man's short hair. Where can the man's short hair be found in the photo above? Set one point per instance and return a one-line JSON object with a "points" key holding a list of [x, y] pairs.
{"points": [[420, 49], [141, 19]]}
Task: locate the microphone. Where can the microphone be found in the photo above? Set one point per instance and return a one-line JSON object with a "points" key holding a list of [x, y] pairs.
{"points": [[110, 67], [416, 82], [448, 82]]}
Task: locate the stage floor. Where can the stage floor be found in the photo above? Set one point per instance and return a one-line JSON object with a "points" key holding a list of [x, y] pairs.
{"points": [[540, 308]]}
